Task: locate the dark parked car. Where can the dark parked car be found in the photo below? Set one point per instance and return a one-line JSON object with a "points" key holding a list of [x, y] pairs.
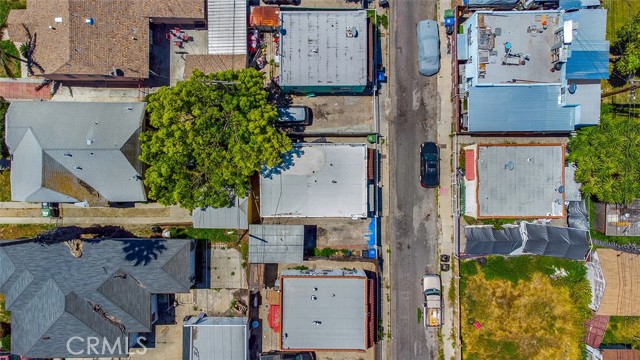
{"points": [[429, 165], [281, 2], [428, 47], [274, 355]]}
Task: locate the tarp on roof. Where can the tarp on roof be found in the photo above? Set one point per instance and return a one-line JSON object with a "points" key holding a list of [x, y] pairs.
{"points": [[577, 216], [556, 241], [518, 108], [485, 240]]}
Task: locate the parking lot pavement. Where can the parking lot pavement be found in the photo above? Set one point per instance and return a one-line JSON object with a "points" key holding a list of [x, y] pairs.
{"points": [[332, 233]]}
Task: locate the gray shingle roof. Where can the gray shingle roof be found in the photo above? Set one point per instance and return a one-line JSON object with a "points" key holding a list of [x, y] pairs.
{"points": [[53, 295], [67, 152]]}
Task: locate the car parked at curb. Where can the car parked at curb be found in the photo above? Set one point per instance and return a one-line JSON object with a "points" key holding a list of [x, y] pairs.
{"points": [[429, 165], [276, 355], [428, 48]]}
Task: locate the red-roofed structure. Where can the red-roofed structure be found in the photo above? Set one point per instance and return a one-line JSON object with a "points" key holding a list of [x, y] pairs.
{"points": [[595, 327]]}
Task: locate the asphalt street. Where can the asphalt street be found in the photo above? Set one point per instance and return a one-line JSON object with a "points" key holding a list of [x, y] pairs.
{"points": [[413, 209]]}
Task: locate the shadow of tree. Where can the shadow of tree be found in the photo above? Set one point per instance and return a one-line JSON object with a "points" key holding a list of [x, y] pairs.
{"points": [[288, 160], [67, 233], [141, 252]]}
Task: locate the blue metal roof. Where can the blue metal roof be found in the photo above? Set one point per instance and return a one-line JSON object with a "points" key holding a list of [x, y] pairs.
{"points": [[589, 56], [518, 108]]}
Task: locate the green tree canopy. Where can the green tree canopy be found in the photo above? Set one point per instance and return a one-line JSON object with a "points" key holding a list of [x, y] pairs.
{"points": [[209, 135], [607, 158], [627, 46]]}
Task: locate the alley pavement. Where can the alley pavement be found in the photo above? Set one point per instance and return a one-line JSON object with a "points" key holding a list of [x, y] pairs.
{"points": [[413, 228]]}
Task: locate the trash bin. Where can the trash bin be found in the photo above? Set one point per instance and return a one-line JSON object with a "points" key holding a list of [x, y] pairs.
{"points": [[448, 13], [372, 138]]}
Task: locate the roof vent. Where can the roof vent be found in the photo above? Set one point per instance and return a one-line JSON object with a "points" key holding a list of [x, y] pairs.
{"points": [[313, 297], [88, 21], [67, 155], [352, 31], [89, 141], [510, 165], [58, 20], [77, 168], [317, 322]]}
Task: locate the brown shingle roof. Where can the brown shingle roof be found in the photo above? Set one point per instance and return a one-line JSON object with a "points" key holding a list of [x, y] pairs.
{"points": [[622, 283], [119, 37], [625, 354], [213, 63]]}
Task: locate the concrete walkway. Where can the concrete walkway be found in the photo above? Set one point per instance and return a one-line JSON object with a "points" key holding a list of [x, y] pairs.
{"points": [[447, 190], [139, 214]]}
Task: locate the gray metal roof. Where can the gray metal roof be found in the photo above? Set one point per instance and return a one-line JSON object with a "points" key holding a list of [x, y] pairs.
{"points": [[520, 180], [317, 180], [233, 217], [324, 310], [519, 108], [215, 338], [53, 295], [75, 151], [571, 187], [587, 95], [316, 49], [227, 27], [276, 244]]}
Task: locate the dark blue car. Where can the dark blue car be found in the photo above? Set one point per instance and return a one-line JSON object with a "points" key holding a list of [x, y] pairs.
{"points": [[429, 165]]}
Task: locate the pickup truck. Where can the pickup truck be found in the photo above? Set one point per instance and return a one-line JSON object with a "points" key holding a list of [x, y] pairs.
{"points": [[432, 288]]}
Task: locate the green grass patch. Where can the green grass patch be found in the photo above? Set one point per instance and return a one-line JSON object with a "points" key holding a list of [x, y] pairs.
{"points": [[301, 268], [327, 252], [618, 13], [212, 235], [244, 251], [5, 184], [22, 231], [623, 330], [8, 5], [523, 310], [14, 65], [496, 223]]}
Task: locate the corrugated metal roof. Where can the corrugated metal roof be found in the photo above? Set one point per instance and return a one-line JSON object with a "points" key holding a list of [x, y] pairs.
{"points": [[589, 51], [317, 180], [276, 244], [324, 312], [88, 148], [315, 48], [233, 217], [519, 108], [227, 27], [215, 338]]}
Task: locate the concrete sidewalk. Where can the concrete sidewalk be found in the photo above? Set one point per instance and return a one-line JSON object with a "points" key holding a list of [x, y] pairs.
{"points": [[139, 214], [447, 191]]}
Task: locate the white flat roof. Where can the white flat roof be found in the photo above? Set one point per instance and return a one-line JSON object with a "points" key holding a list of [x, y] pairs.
{"points": [[317, 180]]}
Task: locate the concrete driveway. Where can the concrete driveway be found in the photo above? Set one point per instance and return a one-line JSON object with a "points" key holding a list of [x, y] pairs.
{"points": [[412, 227]]}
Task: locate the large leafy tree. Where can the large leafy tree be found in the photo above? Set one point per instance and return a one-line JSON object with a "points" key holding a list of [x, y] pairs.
{"points": [[607, 158], [209, 134], [626, 47]]}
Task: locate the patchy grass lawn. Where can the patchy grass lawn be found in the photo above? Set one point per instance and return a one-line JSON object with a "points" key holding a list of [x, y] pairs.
{"points": [[623, 330], [9, 47], [5, 184], [618, 13], [496, 223], [523, 312], [22, 231], [8, 5], [212, 235], [5, 318]]}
